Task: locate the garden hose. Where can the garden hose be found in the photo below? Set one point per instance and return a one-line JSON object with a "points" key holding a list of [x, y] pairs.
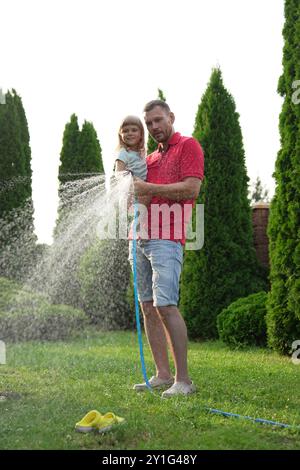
{"points": [[136, 301], [256, 420]]}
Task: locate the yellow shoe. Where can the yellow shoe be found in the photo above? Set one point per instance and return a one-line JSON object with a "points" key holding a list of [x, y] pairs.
{"points": [[108, 421], [89, 422]]}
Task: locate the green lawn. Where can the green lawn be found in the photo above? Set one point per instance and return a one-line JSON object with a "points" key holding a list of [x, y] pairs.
{"points": [[55, 384]]}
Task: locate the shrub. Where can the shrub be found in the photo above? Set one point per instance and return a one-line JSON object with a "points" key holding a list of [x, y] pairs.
{"points": [[226, 268], [104, 278], [243, 323], [130, 294], [283, 306], [283, 325], [26, 316]]}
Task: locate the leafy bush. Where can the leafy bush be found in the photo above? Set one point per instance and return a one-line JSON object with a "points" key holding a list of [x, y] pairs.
{"points": [[130, 294], [104, 278], [25, 315], [283, 324], [283, 306], [226, 268], [243, 323]]}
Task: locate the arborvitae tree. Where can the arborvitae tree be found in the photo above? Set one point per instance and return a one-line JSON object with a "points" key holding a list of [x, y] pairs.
{"points": [[12, 158], [259, 193], [25, 141], [17, 240], [152, 144], [69, 155], [226, 267], [90, 160], [283, 317], [80, 160]]}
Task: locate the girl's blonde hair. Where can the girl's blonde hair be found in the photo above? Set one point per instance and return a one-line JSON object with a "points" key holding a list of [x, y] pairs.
{"points": [[131, 120]]}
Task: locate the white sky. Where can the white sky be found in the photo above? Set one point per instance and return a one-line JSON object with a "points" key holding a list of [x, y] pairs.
{"points": [[105, 59]]}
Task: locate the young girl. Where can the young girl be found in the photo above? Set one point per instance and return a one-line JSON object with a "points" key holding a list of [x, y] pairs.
{"points": [[131, 149]]}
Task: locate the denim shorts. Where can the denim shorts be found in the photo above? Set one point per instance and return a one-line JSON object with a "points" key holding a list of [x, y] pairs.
{"points": [[159, 264]]}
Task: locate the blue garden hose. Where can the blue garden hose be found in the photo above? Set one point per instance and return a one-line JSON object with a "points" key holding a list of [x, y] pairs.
{"points": [[136, 301], [256, 420]]}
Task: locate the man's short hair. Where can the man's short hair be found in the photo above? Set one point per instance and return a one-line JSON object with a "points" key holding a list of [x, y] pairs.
{"points": [[152, 104]]}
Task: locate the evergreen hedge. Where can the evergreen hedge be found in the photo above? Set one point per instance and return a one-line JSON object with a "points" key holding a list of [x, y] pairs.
{"points": [[80, 162], [104, 277], [226, 268], [243, 323], [17, 237], [283, 318]]}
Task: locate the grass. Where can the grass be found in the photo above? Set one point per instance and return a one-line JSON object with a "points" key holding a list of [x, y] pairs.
{"points": [[53, 385]]}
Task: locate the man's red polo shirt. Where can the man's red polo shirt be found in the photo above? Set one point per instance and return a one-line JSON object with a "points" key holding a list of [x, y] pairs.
{"points": [[183, 158]]}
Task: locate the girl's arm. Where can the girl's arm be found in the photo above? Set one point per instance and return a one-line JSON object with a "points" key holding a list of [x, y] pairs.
{"points": [[120, 166], [145, 200]]}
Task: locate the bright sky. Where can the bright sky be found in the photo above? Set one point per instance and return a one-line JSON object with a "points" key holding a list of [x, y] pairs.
{"points": [[105, 59]]}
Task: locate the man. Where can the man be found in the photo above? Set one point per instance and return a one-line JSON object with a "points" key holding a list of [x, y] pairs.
{"points": [[175, 171]]}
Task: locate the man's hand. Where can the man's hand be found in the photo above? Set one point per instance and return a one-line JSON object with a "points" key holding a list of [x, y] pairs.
{"points": [[141, 191], [140, 187]]}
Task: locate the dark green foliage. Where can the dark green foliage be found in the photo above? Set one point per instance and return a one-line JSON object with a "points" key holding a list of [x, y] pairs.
{"points": [[69, 156], [152, 144], [130, 294], [226, 268], [80, 159], [25, 141], [104, 277], [243, 323], [81, 152], [89, 150], [283, 318], [25, 316], [15, 155], [17, 238], [12, 158]]}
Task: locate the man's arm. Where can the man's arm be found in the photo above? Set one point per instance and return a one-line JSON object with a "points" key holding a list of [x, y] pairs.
{"points": [[189, 188]]}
